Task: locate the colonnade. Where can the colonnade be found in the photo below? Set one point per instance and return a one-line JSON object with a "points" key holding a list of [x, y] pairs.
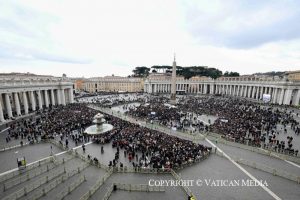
{"points": [[280, 93], [17, 102]]}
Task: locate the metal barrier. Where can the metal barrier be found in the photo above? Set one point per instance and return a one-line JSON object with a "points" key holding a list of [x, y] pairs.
{"points": [[27, 177], [6, 148], [22, 192], [184, 188], [139, 187], [265, 168], [71, 187], [58, 144], [257, 150], [95, 187], [126, 169], [132, 188], [108, 193], [28, 168], [89, 161], [43, 191]]}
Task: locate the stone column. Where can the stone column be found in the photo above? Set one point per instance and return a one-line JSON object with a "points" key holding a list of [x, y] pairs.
{"points": [[17, 104], [242, 91], [234, 90], [261, 92], [33, 104], [58, 94], [212, 88], [253, 92], [63, 98], [245, 91], [274, 98], [296, 98], [52, 98], [1, 112], [71, 95], [281, 96], [287, 97], [249, 92], [46, 98], [25, 102], [40, 100], [8, 105]]}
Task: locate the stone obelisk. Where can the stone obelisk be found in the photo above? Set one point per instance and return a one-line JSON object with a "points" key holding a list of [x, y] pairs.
{"points": [[173, 83]]}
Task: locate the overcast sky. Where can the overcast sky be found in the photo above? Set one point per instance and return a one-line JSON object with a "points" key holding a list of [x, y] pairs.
{"points": [[96, 38]]}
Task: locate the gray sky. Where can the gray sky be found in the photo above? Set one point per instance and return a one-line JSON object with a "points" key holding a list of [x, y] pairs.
{"points": [[98, 38]]}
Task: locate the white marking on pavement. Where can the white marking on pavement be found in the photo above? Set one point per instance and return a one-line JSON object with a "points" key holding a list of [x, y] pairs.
{"points": [[4, 130], [60, 153], [244, 170], [292, 163]]}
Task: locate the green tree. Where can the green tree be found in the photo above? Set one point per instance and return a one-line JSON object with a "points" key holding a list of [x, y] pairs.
{"points": [[230, 74], [141, 71]]}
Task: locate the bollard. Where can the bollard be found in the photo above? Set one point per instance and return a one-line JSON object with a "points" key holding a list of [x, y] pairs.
{"points": [[44, 192], [69, 190], [47, 168], [63, 160], [78, 169], [27, 176], [47, 179], [84, 178], [64, 169], [274, 172], [25, 192]]}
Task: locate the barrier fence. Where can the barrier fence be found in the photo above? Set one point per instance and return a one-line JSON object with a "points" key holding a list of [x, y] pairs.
{"points": [[89, 161], [271, 170], [126, 169], [257, 150], [184, 188], [108, 192], [43, 191], [22, 192], [139, 187], [28, 168], [27, 177], [71, 187], [132, 188], [98, 184]]}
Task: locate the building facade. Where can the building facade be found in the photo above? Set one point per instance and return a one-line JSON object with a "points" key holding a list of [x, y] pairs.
{"points": [[282, 90], [114, 84], [21, 94]]}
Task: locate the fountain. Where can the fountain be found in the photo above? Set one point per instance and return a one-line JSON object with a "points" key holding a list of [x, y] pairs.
{"points": [[100, 126]]}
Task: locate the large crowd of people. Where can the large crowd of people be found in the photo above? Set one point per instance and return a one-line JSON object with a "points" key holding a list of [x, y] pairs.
{"points": [[238, 120], [59, 121], [158, 150]]}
